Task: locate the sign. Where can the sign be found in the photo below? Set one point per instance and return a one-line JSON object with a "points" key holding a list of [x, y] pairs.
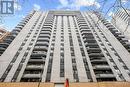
{"points": [[6, 7]]}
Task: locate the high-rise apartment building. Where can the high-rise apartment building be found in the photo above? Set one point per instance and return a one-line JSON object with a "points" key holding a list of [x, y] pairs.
{"points": [[3, 34], [55, 45], [121, 20]]}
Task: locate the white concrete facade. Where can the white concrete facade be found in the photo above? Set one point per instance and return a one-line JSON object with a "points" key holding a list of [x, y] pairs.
{"points": [[56, 45]]}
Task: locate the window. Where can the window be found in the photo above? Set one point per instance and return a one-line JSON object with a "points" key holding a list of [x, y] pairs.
{"points": [[26, 53], [125, 67], [30, 44], [115, 67], [34, 36], [23, 44], [32, 40], [73, 61], [20, 48], [120, 60], [28, 48], [51, 54]]}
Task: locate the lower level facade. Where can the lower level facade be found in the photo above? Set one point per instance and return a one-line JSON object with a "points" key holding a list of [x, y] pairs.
{"points": [[94, 84]]}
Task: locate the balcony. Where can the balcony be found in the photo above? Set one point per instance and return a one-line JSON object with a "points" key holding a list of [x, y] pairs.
{"points": [[48, 24], [80, 23], [124, 40], [48, 30], [22, 24], [96, 55], [42, 44], [85, 30], [111, 28], [114, 31], [2, 49], [26, 19], [31, 75], [84, 24], [84, 27], [8, 37], [46, 33], [98, 60], [91, 44], [43, 40], [90, 40], [18, 30], [88, 37], [1, 52], [14, 33], [34, 67], [7, 40], [12, 36], [19, 27], [80, 17], [81, 20], [49, 19], [4, 45], [121, 36], [106, 23], [44, 27], [44, 36], [128, 50], [87, 34], [38, 54], [36, 60], [101, 67], [105, 76], [93, 58], [40, 48], [117, 33], [126, 44], [94, 50]]}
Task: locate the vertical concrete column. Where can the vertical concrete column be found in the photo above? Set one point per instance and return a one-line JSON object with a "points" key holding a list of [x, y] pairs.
{"points": [[55, 75], [80, 65], [67, 53]]}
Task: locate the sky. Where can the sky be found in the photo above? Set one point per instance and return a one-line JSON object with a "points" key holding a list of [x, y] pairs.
{"points": [[23, 7]]}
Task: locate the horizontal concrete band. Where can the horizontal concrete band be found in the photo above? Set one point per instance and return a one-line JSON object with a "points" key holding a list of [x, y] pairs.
{"points": [[93, 84]]}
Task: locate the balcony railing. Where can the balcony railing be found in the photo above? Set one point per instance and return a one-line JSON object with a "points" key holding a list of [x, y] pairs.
{"points": [[34, 67], [105, 76], [31, 75]]}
